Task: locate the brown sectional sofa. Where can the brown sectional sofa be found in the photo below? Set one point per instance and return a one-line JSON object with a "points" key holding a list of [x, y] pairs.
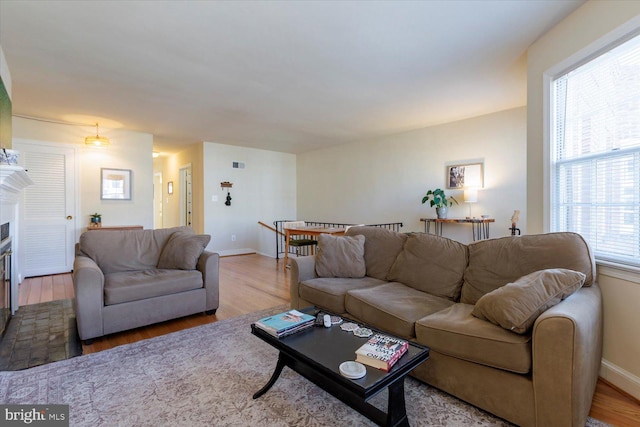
{"points": [[424, 288], [127, 279]]}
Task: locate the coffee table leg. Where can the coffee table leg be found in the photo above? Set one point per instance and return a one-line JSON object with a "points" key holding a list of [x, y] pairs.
{"points": [[396, 409], [274, 378]]}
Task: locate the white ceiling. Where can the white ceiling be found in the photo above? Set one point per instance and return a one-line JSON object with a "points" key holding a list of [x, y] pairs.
{"points": [[285, 76]]}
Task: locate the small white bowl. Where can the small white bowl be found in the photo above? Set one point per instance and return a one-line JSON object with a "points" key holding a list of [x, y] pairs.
{"points": [[352, 370], [485, 216]]}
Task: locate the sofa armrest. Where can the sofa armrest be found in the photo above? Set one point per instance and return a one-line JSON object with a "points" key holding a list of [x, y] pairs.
{"points": [[209, 265], [302, 268], [567, 353], [88, 286]]}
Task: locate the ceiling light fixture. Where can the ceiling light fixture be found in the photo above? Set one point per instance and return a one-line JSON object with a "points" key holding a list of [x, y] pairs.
{"points": [[155, 154], [97, 140]]}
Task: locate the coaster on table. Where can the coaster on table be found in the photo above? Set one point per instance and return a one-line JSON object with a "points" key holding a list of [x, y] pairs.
{"points": [[352, 370], [336, 320], [363, 332], [349, 327]]}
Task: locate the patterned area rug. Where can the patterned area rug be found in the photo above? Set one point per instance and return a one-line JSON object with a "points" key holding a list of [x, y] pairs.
{"points": [[206, 376]]}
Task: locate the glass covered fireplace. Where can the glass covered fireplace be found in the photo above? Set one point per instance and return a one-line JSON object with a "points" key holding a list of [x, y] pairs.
{"points": [[5, 277]]}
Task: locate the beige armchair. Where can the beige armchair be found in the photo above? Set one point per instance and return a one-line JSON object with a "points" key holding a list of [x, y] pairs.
{"points": [[127, 279]]}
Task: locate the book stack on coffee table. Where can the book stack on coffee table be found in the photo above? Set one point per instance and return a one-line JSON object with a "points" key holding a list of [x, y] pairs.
{"points": [[287, 323], [381, 351]]}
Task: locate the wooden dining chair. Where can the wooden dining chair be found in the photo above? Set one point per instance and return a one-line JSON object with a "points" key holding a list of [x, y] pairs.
{"points": [[299, 241]]}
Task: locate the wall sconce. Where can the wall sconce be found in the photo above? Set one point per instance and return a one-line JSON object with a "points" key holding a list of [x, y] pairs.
{"points": [[97, 140], [470, 196], [227, 185], [170, 187], [155, 154]]}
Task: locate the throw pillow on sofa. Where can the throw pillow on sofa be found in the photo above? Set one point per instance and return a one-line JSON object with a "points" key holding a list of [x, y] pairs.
{"points": [[431, 264], [516, 306], [182, 251], [340, 256]]}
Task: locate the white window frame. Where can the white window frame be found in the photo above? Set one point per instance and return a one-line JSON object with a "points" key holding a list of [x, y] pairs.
{"points": [[611, 40]]}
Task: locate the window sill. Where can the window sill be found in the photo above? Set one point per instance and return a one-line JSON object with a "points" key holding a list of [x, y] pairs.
{"points": [[619, 271]]}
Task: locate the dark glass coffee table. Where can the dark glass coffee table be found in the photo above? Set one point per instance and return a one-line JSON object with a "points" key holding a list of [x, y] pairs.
{"points": [[316, 354]]}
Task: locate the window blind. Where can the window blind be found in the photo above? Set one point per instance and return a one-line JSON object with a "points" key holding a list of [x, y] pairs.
{"points": [[595, 153]]}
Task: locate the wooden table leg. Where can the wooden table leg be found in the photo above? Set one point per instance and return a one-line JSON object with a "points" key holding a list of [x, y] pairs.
{"points": [[273, 379], [287, 236], [396, 409]]}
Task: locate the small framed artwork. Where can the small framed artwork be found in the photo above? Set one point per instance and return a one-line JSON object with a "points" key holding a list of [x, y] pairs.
{"points": [[170, 187], [115, 184], [467, 175]]}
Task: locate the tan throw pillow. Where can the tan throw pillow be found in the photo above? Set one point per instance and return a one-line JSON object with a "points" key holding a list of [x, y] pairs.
{"points": [[516, 306], [431, 264], [340, 256], [182, 251]]}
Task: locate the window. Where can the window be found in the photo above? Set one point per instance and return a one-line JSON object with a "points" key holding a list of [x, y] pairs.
{"points": [[595, 153]]}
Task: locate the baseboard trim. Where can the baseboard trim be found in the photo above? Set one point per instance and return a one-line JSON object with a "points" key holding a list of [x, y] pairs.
{"points": [[232, 252], [265, 254], [624, 380]]}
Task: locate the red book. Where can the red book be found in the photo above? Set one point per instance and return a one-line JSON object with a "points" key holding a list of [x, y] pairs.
{"points": [[381, 351]]}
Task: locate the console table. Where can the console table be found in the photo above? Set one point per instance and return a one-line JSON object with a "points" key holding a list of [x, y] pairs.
{"points": [[479, 226], [116, 227]]}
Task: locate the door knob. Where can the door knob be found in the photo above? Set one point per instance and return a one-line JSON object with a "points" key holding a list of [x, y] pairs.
{"points": [[69, 217]]}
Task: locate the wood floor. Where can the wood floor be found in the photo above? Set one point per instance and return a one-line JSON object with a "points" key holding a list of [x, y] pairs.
{"points": [[252, 282]]}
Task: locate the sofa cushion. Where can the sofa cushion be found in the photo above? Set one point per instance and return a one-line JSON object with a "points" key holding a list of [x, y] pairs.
{"points": [[455, 332], [517, 305], [329, 293], [340, 256], [494, 262], [381, 247], [182, 251], [138, 285], [431, 264], [393, 307], [126, 250]]}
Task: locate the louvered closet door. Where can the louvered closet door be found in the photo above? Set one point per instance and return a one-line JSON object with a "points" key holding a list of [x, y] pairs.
{"points": [[48, 236]]}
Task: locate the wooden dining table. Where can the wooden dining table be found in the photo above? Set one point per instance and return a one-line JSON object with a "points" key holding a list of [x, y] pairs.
{"points": [[307, 231]]}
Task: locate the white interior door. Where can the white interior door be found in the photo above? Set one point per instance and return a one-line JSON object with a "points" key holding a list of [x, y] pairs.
{"points": [[49, 223], [157, 200]]}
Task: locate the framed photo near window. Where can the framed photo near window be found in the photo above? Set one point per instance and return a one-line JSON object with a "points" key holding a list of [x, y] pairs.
{"points": [[467, 175], [115, 184]]}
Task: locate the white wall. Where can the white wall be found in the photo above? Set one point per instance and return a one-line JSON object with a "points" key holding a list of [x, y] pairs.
{"points": [[384, 179], [265, 190], [588, 29], [128, 150], [5, 73]]}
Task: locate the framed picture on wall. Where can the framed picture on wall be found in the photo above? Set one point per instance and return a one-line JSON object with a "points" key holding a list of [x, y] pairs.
{"points": [[115, 184], [467, 175]]}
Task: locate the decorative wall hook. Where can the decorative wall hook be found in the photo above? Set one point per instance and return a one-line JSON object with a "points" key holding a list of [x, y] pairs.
{"points": [[227, 185]]}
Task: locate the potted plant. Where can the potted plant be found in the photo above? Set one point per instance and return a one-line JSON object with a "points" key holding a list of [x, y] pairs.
{"points": [[441, 201], [96, 219]]}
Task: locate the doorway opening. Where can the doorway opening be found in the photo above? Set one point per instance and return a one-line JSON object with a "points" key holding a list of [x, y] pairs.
{"points": [[186, 198]]}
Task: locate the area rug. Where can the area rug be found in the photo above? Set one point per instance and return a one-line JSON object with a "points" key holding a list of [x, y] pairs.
{"points": [[206, 376], [38, 334]]}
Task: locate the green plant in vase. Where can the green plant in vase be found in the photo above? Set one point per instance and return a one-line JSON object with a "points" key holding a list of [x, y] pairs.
{"points": [[438, 199], [96, 218]]}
